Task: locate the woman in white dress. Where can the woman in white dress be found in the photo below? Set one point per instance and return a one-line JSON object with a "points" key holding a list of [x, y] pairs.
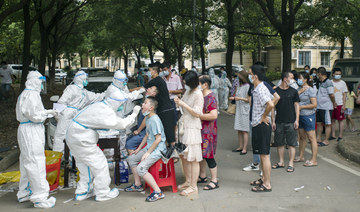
{"points": [[192, 105], [242, 112]]}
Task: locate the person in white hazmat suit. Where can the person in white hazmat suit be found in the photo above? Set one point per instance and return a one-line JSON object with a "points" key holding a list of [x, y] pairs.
{"points": [[225, 84], [215, 84], [75, 97], [82, 138], [119, 83], [31, 114]]}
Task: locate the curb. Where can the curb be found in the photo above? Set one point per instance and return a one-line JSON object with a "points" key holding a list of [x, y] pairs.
{"points": [[346, 149], [10, 158]]}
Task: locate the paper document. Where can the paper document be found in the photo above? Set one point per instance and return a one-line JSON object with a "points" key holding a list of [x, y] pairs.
{"points": [[59, 107]]}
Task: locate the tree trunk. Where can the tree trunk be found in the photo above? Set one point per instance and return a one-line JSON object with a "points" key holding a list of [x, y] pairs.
{"points": [[202, 55], [43, 46], [342, 47], [126, 57], [356, 40], [241, 54], [286, 48], [27, 44], [81, 61], [231, 39], [53, 66], [179, 57], [91, 61], [151, 54], [120, 62]]}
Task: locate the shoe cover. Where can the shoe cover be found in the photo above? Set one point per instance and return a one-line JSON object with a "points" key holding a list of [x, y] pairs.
{"points": [[24, 198], [83, 196], [49, 203], [112, 194]]}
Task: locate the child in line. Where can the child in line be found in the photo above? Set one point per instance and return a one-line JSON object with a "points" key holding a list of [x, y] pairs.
{"points": [[150, 154], [349, 106]]}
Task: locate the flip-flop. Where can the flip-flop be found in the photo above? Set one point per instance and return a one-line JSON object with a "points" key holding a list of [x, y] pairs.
{"points": [[290, 169], [236, 150], [277, 166], [322, 144], [202, 180], [297, 159], [309, 164]]}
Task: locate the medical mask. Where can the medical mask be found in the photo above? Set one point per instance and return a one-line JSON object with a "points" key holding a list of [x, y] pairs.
{"points": [[85, 83], [187, 88], [337, 77], [42, 87], [166, 73], [120, 108], [250, 79], [300, 82], [307, 71], [146, 113], [125, 83], [290, 82], [199, 87], [313, 74]]}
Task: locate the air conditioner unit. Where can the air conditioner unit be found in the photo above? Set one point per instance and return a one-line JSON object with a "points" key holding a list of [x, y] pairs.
{"points": [[294, 54]]}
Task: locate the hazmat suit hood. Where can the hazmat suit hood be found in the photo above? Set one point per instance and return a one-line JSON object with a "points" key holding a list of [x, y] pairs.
{"points": [[79, 78], [116, 100], [120, 80], [223, 74], [211, 72], [33, 81]]}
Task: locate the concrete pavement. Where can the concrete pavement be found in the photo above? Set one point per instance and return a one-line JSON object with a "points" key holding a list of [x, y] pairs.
{"points": [[334, 185]]}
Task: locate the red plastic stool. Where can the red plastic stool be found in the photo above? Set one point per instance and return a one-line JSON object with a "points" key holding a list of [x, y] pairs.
{"points": [[164, 174], [51, 168]]}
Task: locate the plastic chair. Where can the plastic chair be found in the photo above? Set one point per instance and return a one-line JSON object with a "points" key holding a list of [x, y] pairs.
{"points": [[51, 168], [164, 174]]}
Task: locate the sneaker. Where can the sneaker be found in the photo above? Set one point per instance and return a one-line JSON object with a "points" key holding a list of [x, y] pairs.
{"points": [[154, 196], [83, 196], [133, 188], [113, 193], [261, 174], [331, 138], [49, 203], [251, 167]]}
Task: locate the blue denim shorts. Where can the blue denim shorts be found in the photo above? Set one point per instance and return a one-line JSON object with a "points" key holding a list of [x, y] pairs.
{"points": [[307, 122]]}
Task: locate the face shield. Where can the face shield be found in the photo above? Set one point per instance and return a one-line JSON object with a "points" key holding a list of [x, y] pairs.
{"points": [[81, 78], [43, 89], [121, 81]]}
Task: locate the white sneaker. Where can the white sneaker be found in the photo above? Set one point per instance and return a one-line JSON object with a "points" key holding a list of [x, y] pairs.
{"points": [[83, 196], [251, 167], [112, 194], [261, 174], [49, 203]]}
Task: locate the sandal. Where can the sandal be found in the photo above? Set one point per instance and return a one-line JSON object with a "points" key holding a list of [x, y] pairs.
{"points": [[154, 196], [308, 163], [202, 180], [277, 166], [322, 144], [133, 188], [261, 188], [208, 187], [183, 186], [189, 191], [290, 169], [297, 159], [236, 150], [257, 182]]}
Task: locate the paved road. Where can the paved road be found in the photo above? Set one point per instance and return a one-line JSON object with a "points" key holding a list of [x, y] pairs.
{"points": [[332, 186]]}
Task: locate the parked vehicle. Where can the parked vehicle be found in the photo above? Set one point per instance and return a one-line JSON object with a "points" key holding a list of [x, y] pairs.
{"points": [[350, 68], [17, 70], [60, 75], [217, 68], [90, 71]]}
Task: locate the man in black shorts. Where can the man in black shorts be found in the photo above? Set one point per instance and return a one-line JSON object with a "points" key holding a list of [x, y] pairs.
{"points": [[165, 110], [261, 129]]}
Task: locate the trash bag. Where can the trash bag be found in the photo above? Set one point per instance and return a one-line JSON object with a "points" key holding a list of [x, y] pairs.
{"points": [[52, 157], [9, 177]]}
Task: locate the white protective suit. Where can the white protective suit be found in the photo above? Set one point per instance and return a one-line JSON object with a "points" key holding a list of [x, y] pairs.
{"points": [[31, 114], [75, 97], [119, 83], [82, 138], [215, 84], [225, 84]]}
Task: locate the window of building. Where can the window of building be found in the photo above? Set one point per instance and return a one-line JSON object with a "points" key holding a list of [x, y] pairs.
{"points": [[325, 58], [129, 63], [304, 58]]}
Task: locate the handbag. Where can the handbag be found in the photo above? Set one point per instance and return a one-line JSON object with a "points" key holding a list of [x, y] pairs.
{"points": [[179, 146], [231, 109]]}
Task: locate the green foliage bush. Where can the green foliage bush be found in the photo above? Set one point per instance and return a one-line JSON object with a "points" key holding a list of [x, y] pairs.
{"points": [[273, 75]]}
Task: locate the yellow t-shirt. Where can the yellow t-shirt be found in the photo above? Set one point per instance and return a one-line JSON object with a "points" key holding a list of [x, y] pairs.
{"points": [[350, 100]]}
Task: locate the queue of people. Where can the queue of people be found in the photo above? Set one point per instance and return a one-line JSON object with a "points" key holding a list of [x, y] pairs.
{"points": [[292, 109]]}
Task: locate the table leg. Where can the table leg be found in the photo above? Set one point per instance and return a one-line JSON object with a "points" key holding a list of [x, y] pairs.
{"points": [[66, 168]]}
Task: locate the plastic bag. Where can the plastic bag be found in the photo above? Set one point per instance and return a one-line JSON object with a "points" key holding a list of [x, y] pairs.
{"points": [[9, 177], [52, 157]]}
